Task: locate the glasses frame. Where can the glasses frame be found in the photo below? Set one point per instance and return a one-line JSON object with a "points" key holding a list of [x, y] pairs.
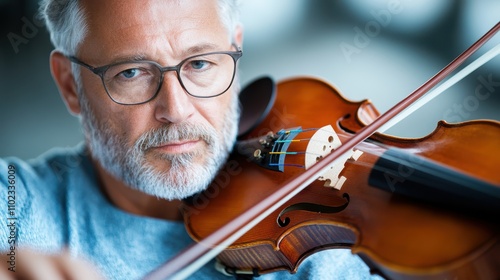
{"points": [[101, 70]]}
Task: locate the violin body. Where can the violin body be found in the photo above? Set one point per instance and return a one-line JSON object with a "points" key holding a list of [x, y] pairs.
{"points": [[398, 237]]}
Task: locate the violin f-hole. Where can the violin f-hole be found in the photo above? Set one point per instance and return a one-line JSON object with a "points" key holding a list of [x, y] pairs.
{"points": [[311, 207]]}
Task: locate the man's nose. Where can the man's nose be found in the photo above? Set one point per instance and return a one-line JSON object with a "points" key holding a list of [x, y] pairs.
{"points": [[173, 104]]}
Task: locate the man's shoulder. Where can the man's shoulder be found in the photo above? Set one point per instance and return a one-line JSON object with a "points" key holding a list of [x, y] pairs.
{"points": [[40, 192], [48, 177], [50, 168], [59, 164]]}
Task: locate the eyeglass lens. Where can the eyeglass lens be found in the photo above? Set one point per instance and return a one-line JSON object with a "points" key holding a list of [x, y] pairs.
{"points": [[201, 76]]}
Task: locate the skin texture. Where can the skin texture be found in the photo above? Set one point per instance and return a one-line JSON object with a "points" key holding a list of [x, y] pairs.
{"points": [[161, 31]]}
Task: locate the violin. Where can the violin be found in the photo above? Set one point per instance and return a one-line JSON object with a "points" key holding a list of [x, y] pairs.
{"points": [[411, 208], [396, 235]]}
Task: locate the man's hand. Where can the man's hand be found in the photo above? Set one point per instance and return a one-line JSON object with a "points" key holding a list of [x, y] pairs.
{"points": [[30, 265]]}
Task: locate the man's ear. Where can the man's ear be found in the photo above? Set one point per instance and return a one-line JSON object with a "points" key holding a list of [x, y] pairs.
{"points": [[238, 35], [60, 66]]}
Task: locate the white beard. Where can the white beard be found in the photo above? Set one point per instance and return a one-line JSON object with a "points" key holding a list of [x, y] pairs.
{"points": [[186, 174]]}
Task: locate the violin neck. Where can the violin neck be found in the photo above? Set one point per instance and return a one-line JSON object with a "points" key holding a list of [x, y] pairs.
{"points": [[411, 175]]}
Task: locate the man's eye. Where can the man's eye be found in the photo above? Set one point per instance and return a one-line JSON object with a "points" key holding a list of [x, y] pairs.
{"points": [[129, 73], [199, 64]]}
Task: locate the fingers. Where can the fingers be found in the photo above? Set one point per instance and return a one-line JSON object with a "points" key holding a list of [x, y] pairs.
{"points": [[76, 269], [35, 266]]}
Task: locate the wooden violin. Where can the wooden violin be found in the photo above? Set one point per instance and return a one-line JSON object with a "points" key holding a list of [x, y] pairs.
{"points": [[419, 208], [397, 236]]}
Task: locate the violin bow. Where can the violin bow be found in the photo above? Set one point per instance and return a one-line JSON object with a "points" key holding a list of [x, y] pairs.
{"points": [[197, 254]]}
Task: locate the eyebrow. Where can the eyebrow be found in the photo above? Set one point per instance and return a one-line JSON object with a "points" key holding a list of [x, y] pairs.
{"points": [[196, 49], [125, 58], [201, 48]]}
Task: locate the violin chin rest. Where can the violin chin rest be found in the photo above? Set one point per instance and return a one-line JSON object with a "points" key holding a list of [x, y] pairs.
{"points": [[256, 99]]}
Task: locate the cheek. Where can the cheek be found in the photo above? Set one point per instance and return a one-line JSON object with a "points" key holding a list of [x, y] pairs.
{"points": [[216, 110], [125, 122]]}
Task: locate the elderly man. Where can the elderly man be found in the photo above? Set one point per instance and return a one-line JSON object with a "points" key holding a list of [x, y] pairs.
{"points": [[154, 84]]}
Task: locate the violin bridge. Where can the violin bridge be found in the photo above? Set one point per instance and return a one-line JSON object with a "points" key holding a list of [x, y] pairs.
{"points": [[323, 142]]}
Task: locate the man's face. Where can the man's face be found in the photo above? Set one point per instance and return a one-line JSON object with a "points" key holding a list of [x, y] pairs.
{"points": [[172, 146]]}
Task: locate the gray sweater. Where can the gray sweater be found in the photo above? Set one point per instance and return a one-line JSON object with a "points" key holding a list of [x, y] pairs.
{"points": [[57, 204]]}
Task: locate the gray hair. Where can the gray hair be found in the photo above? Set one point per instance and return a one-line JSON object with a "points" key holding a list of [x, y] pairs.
{"points": [[65, 20]]}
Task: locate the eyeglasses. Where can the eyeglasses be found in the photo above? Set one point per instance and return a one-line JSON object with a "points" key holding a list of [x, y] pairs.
{"points": [[137, 82]]}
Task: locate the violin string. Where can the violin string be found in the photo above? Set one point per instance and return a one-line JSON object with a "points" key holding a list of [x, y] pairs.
{"points": [[286, 153], [294, 153], [292, 140], [300, 140]]}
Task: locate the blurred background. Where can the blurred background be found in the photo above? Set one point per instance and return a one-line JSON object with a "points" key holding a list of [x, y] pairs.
{"points": [[378, 50]]}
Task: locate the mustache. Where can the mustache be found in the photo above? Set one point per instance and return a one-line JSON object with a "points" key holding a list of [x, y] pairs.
{"points": [[169, 133]]}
